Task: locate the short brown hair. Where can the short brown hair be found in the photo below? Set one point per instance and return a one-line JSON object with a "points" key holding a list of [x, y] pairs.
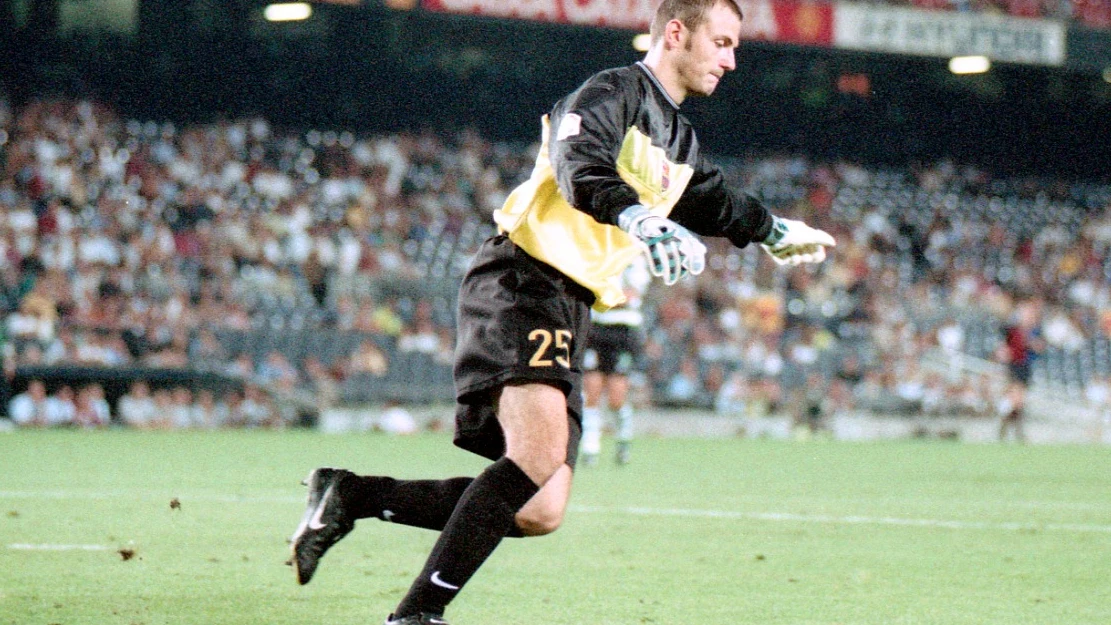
{"points": [[689, 12]]}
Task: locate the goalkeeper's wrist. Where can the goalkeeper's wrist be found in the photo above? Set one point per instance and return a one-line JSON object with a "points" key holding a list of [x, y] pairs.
{"points": [[628, 218], [778, 231]]}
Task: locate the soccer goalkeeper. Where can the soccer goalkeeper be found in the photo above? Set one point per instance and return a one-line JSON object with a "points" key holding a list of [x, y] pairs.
{"points": [[619, 173]]}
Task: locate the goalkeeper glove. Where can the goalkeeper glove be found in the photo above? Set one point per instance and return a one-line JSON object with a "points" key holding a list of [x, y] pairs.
{"points": [[673, 251], [792, 242]]}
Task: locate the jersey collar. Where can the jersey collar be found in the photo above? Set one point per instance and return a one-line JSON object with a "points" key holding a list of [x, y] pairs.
{"points": [[655, 81]]}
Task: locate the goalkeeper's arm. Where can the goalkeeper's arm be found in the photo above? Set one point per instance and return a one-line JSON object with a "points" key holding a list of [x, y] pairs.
{"points": [[711, 207]]}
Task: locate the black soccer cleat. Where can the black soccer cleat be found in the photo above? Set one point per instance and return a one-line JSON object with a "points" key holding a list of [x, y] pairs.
{"points": [[325, 522], [417, 619]]}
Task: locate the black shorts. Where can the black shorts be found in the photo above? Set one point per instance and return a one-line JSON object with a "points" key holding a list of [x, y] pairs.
{"points": [[612, 349], [519, 321]]}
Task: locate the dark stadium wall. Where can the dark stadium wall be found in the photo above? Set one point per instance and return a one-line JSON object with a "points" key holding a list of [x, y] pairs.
{"points": [[380, 70]]}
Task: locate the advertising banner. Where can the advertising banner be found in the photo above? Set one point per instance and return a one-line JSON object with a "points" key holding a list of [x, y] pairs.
{"points": [[938, 33], [809, 23], [867, 27]]}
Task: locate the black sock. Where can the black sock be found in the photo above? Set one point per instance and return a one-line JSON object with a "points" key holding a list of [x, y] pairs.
{"points": [[484, 515], [418, 503]]}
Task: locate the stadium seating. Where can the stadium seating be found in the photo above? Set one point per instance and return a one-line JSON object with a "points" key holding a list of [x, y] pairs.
{"points": [[917, 248]]}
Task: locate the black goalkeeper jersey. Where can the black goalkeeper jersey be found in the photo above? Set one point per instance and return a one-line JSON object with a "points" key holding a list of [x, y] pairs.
{"points": [[618, 140]]}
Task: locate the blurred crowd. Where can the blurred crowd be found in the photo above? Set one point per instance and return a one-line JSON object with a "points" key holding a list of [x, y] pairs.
{"points": [[132, 244], [945, 284], [141, 407]]}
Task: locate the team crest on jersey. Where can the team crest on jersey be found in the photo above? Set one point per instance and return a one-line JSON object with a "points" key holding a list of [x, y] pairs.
{"points": [[665, 177], [569, 126]]}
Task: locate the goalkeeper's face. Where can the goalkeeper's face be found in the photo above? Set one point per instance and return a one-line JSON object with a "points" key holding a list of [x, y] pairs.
{"points": [[708, 52]]}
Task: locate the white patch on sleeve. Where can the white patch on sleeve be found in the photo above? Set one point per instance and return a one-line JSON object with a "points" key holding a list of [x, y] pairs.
{"points": [[569, 126]]}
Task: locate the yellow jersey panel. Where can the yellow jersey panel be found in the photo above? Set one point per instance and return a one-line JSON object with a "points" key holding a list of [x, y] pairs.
{"points": [[658, 182], [540, 220]]}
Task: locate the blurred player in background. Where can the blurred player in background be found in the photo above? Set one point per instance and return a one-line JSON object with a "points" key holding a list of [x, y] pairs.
{"points": [[619, 174], [1022, 344], [612, 353]]}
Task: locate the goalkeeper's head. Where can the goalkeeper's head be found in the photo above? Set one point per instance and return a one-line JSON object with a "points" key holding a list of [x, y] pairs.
{"points": [[690, 12], [693, 43]]}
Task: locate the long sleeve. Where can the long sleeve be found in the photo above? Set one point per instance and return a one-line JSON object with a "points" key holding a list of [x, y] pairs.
{"points": [[711, 208], [588, 131]]}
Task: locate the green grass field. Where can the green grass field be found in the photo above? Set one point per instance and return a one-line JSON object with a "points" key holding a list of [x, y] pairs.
{"points": [[694, 531]]}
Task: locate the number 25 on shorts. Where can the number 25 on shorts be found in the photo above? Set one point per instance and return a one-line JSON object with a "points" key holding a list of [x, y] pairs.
{"points": [[553, 347]]}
